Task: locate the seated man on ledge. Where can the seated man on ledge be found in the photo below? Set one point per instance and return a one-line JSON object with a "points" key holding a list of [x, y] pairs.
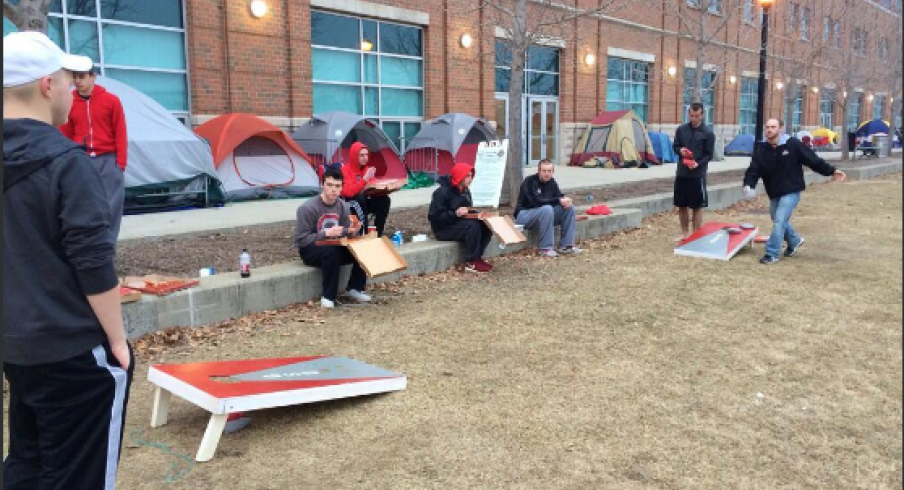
{"points": [[541, 205], [327, 217], [357, 175], [448, 210]]}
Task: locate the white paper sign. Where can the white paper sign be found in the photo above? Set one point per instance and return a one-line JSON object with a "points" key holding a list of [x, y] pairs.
{"points": [[489, 169]]}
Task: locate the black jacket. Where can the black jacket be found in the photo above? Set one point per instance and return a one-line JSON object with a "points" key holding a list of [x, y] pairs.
{"points": [[535, 194], [57, 245], [445, 201], [781, 168], [701, 142]]}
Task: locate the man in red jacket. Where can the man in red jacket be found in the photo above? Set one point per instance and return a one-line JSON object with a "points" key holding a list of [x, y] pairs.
{"points": [[356, 175], [97, 122]]}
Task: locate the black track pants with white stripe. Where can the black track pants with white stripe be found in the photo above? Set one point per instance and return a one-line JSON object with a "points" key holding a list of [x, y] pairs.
{"points": [[66, 422]]}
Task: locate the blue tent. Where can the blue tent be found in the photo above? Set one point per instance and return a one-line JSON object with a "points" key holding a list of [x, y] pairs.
{"points": [[870, 128], [742, 145], [662, 145]]}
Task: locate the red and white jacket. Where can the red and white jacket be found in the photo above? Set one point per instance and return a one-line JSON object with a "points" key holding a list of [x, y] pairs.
{"points": [[99, 124]]}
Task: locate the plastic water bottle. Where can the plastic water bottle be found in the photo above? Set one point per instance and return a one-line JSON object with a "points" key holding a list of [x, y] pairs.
{"points": [[245, 263], [397, 238]]}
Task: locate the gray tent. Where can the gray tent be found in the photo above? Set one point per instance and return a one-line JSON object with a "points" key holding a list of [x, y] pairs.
{"points": [[445, 141], [169, 165], [327, 138]]}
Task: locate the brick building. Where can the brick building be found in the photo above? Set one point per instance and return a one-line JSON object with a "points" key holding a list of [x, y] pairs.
{"points": [[402, 62]]}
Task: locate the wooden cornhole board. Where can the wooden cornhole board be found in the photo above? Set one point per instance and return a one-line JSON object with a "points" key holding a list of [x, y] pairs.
{"points": [[383, 187], [227, 387], [377, 255], [501, 226], [713, 241]]}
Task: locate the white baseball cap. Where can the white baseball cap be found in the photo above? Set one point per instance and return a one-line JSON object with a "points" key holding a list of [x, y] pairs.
{"points": [[31, 55]]}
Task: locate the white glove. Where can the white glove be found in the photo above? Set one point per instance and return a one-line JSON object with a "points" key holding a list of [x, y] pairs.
{"points": [[749, 193]]}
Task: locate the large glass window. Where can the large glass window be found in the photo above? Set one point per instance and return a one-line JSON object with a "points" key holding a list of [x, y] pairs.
{"points": [[708, 96], [797, 108], [628, 86], [138, 42], [878, 106], [370, 68], [747, 119], [541, 74], [853, 119], [827, 108]]}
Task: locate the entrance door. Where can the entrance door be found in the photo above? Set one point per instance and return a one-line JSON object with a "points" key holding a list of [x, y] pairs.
{"points": [[541, 119]]}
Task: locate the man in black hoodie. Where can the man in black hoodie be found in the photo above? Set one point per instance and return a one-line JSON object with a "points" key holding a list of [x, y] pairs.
{"points": [[64, 347], [778, 161], [695, 143], [448, 215]]}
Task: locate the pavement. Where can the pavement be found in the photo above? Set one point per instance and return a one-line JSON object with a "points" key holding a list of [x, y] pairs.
{"points": [[243, 214]]}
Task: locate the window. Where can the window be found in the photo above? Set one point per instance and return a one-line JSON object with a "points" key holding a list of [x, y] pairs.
{"points": [[827, 108], [369, 68], [715, 7], [858, 41], [797, 108], [749, 11], [853, 119], [628, 86], [792, 19], [882, 49], [878, 107], [137, 42], [826, 28], [708, 89], [693, 3], [836, 34], [805, 23], [541, 74], [747, 119]]}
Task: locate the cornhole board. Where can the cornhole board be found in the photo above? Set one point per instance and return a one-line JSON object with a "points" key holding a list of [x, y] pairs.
{"points": [[377, 255], [227, 387], [712, 241], [501, 226], [381, 187]]}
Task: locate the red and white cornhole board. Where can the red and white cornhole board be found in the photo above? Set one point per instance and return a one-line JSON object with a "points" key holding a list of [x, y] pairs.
{"points": [[713, 241], [227, 387]]}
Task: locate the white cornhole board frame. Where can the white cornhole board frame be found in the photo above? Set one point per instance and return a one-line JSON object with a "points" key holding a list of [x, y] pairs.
{"points": [[713, 241], [254, 384]]}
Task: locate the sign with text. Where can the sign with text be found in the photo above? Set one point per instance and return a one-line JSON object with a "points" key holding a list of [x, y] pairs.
{"points": [[486, 190]]}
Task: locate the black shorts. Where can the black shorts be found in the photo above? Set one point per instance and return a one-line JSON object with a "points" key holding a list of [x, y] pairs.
{"points": [[690, 192]]}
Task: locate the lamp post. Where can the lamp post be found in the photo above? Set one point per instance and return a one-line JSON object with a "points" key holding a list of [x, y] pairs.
{"points": [[761, 86]]}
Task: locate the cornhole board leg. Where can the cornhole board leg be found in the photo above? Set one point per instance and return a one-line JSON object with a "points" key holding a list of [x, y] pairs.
{"points": [[211, 437], [160, 411]]}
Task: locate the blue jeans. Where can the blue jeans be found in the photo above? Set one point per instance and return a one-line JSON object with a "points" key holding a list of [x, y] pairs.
{"points": [[780, 209], [545, 219]]}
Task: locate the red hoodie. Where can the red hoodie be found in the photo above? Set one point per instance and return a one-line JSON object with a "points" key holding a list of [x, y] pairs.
{"points": [[353, 173], [99, 123]]}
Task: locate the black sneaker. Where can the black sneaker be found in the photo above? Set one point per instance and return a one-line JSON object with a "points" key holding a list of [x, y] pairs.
{"points": [[790, 251], [769, 259]]}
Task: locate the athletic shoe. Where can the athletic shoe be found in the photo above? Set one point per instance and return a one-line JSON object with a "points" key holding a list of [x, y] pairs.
{"points": [[571, 250], [486, 265], [358, 296], [768, 259], [547, 252], [325, 303], [790, 251], [471, 266]]}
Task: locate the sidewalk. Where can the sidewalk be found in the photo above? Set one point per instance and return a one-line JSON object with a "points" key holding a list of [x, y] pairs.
{"points": [[244, 214]]}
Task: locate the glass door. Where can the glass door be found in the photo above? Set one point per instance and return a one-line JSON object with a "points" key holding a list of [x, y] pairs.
{"points": [[542, 121]]}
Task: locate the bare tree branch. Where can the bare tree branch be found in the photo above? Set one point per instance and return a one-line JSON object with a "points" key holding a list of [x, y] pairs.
{"points": [[12, 12]]}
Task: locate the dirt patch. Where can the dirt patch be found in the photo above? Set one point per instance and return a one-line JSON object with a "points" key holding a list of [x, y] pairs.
{"points": [[272, 244], [626, 367]]}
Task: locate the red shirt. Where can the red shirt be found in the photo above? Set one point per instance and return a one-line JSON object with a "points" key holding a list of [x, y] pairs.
{"points": [[99, 124]]}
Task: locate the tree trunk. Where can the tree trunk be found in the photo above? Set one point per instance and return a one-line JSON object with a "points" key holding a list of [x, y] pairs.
{"points": [[845, 108], [519, 46], [29, 15]]}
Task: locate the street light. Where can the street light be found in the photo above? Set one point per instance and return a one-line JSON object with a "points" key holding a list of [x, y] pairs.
{"points": [[766, 5]]}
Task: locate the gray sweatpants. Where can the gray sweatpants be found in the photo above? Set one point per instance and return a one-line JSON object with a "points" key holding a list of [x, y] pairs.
{"points": [[545, 220], [114, 184]]}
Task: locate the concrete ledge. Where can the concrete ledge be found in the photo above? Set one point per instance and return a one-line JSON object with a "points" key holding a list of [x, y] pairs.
{"points": [[226, 296]]}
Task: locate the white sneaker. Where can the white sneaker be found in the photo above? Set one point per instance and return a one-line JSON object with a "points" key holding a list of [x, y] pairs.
{"points": [[571, 251], [547, 252], [358, 296], [325, 303]]}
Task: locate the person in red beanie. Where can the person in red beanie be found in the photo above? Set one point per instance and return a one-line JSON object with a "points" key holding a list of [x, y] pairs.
{"points": [[356, 175], [450, 203], [98, 122]]}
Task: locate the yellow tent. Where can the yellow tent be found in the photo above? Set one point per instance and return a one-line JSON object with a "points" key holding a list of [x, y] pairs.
{"points": [[619, 136], [826, 133]]}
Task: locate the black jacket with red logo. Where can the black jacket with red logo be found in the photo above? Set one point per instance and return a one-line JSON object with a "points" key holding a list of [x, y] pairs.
{"points": [[781, 167]]}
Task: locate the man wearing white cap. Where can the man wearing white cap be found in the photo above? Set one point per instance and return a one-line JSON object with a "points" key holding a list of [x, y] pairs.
{"points": [[65, 353], [98, 122]]}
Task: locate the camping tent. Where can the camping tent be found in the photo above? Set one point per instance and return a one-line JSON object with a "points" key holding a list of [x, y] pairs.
{"points": [[445, 141], [742, 145], [830, 136], [328, 137], [876, 126], [618, 135], [169, 166], [663, 147], [256, 160]]}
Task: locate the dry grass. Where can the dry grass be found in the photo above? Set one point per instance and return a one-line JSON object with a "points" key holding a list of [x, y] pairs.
{"points": [[624, 368]]}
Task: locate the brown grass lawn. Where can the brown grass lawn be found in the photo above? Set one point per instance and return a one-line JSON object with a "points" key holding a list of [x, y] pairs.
{"points": [[625, 368]]}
